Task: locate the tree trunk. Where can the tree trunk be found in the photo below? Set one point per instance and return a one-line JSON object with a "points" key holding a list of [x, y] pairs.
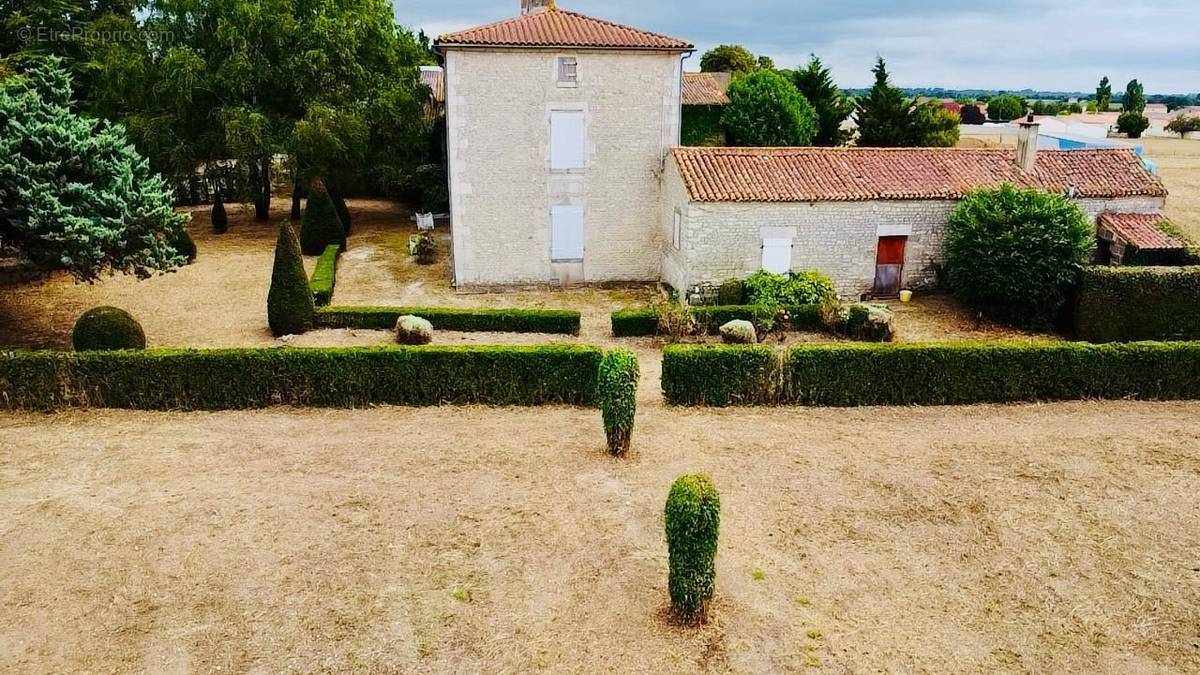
{"points": [[262, 203]]}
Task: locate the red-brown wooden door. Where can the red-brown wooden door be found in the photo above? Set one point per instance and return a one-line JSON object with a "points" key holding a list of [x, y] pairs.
{"points": [[889, 266]]}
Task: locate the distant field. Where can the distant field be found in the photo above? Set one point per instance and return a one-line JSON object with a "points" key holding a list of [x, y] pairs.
{"points": [[1179, 165]]}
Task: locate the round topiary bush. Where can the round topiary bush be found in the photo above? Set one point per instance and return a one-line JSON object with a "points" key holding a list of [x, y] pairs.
{"points": [[693, 520], [220, 221], [321, 225], [290, 306], [1014, 254], [616, 392], [413, 330], [731, 292], [107, 328]]}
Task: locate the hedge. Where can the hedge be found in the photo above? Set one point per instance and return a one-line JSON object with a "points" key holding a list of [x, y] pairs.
{"points": [[644, 321], [851, 374], [450, 318], [330, 377], [1138, 303], [324, 276]]}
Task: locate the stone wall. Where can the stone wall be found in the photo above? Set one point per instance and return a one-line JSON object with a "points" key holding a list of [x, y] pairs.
{"points": [[498, 111]]}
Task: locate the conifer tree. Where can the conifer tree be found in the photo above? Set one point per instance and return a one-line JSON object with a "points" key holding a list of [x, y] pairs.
{"points": [[883, 113], [321, 225], [815, 82], [289, 301]]}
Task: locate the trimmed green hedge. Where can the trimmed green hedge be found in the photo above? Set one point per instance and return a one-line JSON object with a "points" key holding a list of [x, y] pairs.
{"points": [[324, 276], [1138, 303], [332, 377], [851, 374], [643, 321], [450, 318]]}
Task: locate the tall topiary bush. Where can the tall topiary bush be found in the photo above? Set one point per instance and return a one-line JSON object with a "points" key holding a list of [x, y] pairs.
{"points": [[289, 302], [1015, 254], [616, 392], [693, 519], [107, 328], [220, 221], [321, 225]]}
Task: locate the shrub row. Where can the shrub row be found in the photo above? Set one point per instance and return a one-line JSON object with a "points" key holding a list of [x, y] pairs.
{"points": [[1138, 303], [449, 318], [333, 377], [644, 321], [852, 374], [324, 276]]}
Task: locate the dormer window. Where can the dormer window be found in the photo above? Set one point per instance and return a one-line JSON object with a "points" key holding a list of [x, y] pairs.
{"points": [[568, 71]]}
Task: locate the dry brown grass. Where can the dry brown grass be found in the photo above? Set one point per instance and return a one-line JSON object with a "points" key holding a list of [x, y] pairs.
{"points": [[1033, 538], [1179, 165]]}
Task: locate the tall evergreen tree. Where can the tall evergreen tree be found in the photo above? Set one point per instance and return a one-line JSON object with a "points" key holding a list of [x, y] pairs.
{"points": [[289, 301], [74, 193], [1134, 99], [1103, 95], [815, 82], [882, 114]]}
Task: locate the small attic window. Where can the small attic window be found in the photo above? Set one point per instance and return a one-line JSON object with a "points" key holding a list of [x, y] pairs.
{"points": [[568, 71]]}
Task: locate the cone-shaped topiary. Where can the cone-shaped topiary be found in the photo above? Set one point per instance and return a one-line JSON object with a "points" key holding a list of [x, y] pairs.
{"points": [[107, 328], [183, 243], [616, 392], [289, 302], [220, 221], [693, 518], [321, 225], [339, 205]]}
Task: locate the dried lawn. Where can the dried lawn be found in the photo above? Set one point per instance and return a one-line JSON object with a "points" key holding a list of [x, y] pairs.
{"points": [[1032, 538]]}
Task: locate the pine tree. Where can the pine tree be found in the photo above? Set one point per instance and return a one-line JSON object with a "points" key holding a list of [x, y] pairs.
{"points": [[816, 83], [76, 194], [321, 225], [883, 113], [1134, 100], [289, 301]]}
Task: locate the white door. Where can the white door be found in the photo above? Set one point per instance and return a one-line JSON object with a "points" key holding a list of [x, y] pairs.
{"points": [[568, 140], [777, 255], [566, 233]]}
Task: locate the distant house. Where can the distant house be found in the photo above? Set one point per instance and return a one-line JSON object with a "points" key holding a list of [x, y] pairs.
{"points": [[565, 167], [704, 101]]}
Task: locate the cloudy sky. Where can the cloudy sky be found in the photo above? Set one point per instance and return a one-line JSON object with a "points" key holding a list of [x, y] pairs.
{"points": [[1010, 44]]}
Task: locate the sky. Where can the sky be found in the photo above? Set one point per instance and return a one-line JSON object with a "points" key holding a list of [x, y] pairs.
{"points": [[955, 44]]}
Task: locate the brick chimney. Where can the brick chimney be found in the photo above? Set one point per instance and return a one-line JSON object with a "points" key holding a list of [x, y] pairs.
{"points": [[534, 6], [1027, 143]]}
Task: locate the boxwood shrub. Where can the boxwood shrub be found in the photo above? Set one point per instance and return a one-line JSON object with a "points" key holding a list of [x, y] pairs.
{"points": [[324, 276], [331, 377], [852, 374], [643, 321], [616, 395], [1138, 303], [692, 520], [452, 318]]}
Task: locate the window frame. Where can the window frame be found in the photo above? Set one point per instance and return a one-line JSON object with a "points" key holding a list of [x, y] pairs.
{"points": [[560, 71]]}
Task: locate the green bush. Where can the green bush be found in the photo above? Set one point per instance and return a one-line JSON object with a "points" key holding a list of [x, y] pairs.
{"points": [[1015, 254], [692, 519], [321, 225], [220, 221], [107, 328], [700, 125], [1138, 303], [1132, 123], [616, 393], [332, 377], [324, 276], [290, 300], [766, 109], [425, 249], [795, 288], [644, 321], [563, 321], [183, 244], [852, 374], [732, 292]]}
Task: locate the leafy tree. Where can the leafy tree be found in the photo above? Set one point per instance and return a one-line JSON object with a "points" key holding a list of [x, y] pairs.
{"points": [[289, 301], [728, 58], [1103, 95], [1014, 254], [971, 114], [883, 113], [1132, 123], [765, 109], [1183, 125], [1005, 108], [76, 195], [766, 63], [1134, 99], [932, 126], [815, 82]]}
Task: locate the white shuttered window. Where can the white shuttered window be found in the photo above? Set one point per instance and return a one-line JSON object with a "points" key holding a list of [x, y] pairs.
{"points": [[566, 233], [777, 255], [568, 140]]}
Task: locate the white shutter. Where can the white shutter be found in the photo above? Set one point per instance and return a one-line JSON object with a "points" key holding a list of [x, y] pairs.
{"points": [[566, 233], [567, 139], [777, 255]]}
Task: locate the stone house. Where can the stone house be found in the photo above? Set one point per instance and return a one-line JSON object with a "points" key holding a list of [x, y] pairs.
{"points": [[564, 167]]}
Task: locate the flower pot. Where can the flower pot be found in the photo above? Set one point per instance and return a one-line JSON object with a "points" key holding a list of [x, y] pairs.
{"points": [[905, 295]]}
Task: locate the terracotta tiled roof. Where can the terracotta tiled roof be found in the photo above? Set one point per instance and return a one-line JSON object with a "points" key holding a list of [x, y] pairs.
{"points": [[560, 28], [1143, 230], [705, 88], [862, 174], [435, 79]]}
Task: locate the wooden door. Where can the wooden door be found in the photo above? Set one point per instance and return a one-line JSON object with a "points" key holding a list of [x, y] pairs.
{"points": [[889, 266]]}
